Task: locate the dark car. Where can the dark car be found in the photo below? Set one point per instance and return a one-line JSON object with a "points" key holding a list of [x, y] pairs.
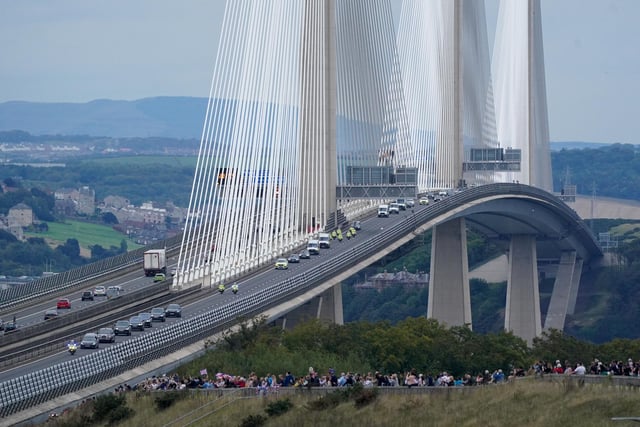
{"points": [[106, 335], [90, 340], [10, 327], [123, 327], [357, 225], [173, 310], [87, 296], [157, 314], [146, 318], [305, 254], [52, 313], [293, 258], [137, 324]]}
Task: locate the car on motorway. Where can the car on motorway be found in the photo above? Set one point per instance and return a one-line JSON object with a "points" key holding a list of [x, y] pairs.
{"points": [[113, 292], [106, 335], [157, 314], [10, 327], [357, 225], [51, 313], [424, 201], [410, 203], [394, 208], [173, 310], [115, 288], [100, 291], [282, 264], [137, 324], [305, 254], [90, 340], [146, 318], [63, 303], [122, 327], [293, 259], [87, 296], [159, 277]]}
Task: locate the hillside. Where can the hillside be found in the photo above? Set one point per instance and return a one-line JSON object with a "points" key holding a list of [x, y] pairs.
{"points": [[171, 117]]}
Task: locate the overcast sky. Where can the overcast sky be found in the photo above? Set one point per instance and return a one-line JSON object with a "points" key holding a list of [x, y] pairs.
{"points": [[81, 50]]}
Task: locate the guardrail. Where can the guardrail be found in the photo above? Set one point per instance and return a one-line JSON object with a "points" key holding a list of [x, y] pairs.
{"points": [[90, 318], [27, 292], [34, 388]]}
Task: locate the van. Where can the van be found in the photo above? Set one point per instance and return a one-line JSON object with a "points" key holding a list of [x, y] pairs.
{"points": [[402, 205], [313, 246], [383, 211], [324, 240]]}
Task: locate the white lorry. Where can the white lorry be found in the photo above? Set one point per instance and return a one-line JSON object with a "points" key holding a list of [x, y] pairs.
{"points": [[324, 239], [155, 261], [383, 211]]}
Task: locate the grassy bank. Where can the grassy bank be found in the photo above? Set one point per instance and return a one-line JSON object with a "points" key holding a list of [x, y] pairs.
{"points": [[524, 403], [87, 234]]}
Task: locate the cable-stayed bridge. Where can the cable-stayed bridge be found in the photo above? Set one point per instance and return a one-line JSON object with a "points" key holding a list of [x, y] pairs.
{"points": [[321, 110]]}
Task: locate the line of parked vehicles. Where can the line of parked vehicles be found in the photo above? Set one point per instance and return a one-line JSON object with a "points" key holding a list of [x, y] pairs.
{"points": [[320, 241], [139, 322]]}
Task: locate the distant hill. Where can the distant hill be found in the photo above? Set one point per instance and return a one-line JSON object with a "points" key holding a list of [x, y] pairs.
{"points": [[170, 117], [166, 116]]}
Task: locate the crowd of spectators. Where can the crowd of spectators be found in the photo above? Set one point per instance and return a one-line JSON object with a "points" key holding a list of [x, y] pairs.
{"points": [[312, 378], [412, 378], [596, 367]]}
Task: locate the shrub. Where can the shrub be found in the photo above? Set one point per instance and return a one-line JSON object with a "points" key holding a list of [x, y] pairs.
{"points": [[166, 399], [278, 407], [253, 421], [105, 404]]}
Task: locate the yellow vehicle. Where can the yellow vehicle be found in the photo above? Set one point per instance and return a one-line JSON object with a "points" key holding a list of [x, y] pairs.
{"points": [[282, 264], [159, 277]]}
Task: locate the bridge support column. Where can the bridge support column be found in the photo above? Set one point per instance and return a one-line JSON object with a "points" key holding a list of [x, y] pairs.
{"points": [[449, 298], [326, 307], [557, 311], [522, 314], [575, 284]]}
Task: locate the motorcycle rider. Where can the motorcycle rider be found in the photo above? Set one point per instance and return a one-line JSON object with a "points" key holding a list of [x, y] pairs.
{"points": [[234, 287], [72, 346], [221, 287]]}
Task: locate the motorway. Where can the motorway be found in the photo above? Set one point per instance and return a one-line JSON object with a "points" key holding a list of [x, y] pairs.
{"points": [[254, 284]]}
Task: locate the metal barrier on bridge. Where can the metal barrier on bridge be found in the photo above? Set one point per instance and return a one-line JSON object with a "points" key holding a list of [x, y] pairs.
{"points": [[15, 295]]}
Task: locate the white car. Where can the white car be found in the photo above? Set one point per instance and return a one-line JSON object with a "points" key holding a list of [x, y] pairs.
{"points": [[424, 201], [100, 291], [115, 288]]}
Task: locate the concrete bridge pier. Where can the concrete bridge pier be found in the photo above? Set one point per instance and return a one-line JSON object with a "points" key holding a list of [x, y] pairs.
{"points": [[575, 284], [522, 314], [326, 307], [449, 297], [558, 306]]}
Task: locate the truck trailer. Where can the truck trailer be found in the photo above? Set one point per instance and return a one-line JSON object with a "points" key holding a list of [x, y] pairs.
{"points": [[155, 261]]}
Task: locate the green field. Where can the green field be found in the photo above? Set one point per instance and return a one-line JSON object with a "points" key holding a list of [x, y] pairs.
{"points": [[85, 233]]}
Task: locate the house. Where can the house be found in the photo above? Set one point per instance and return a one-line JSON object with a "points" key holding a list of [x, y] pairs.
{"points": [[20, 215], [399, 278]]}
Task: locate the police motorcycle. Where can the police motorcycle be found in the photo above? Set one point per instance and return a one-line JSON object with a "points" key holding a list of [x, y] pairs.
{"points": [[72, 346], [234, 288], [221, 288]]}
